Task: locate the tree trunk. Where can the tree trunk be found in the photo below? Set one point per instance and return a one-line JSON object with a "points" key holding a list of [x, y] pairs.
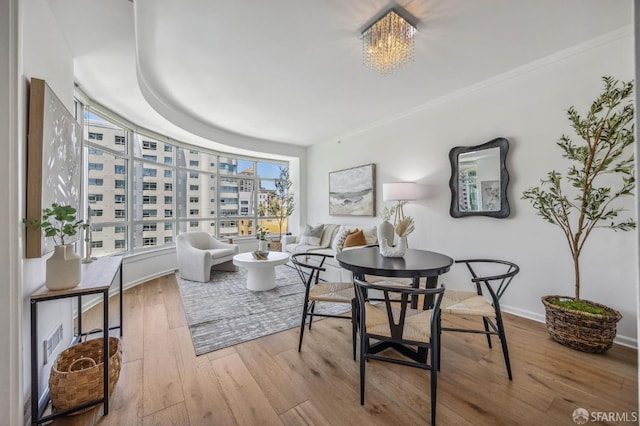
{"points": [[576, 268]]}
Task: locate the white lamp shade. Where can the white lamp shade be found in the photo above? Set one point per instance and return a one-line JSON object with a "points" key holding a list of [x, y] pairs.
{"points": [[399, 191]]}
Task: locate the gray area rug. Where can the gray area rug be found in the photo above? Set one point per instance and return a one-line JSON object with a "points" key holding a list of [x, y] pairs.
{"points": [[223, 312]]}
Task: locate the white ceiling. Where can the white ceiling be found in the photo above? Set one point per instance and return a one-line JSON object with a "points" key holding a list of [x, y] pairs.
{"points": [[255, 74]]}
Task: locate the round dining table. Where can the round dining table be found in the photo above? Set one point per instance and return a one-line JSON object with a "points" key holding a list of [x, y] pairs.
{"points": [[415, 264]]}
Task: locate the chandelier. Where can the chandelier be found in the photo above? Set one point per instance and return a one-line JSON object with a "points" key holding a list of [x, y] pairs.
{"points": [[388, 43]]}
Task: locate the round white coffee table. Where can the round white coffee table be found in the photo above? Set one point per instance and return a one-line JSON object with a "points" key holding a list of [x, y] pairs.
{"points": [[262, 273]]}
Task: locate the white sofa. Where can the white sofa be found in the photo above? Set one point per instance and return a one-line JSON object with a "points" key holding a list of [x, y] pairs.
{"points": [[197, 252], [333, 272]]}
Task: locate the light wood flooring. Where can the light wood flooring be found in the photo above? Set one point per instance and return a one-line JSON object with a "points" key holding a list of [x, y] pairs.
{"points": [[267, 382]]}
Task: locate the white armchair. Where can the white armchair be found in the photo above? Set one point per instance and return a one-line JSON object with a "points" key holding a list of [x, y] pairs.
{"points": [[198, 251]]}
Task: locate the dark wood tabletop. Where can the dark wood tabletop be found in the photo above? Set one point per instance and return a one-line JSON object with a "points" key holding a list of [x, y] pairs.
{"points": [[415, 263]]}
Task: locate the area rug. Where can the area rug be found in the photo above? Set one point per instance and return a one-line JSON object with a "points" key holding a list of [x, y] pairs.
{"points": [[223, 312]]}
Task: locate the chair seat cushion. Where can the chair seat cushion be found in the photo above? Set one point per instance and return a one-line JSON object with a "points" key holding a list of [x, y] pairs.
{"points": [[332, 292], [417, 323], [465, 303], [218, 253]]}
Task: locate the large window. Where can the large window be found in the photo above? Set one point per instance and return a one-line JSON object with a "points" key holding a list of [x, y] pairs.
{"points": [[164, 188]]}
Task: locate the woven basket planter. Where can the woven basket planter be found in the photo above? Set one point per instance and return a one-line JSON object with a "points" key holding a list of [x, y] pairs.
{"points": [[77, 375], [276, 246], [582, 331]]}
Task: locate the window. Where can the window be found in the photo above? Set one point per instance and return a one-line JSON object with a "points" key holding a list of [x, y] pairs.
{"points": [[149, 145], [96, 244], [95, 228], [116, 154], [149, 241]]}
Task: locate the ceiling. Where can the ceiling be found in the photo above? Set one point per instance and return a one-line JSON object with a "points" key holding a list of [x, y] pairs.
{"points": [[284, 74]]}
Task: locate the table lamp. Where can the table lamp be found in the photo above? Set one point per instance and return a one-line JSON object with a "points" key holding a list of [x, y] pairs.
{"points": [[402, 192]]}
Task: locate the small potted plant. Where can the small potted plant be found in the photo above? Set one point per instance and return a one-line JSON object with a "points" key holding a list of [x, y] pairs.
{"points": [[63, 267], [606, 131]]}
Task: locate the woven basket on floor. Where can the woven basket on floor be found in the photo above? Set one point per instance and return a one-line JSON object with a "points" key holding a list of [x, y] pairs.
{"points": [[276, 246], [581, 330], [77, 375]]}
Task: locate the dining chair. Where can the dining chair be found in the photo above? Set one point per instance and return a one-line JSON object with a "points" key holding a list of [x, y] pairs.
{"points": [[496, 276], [390, 320], [309, 266]]}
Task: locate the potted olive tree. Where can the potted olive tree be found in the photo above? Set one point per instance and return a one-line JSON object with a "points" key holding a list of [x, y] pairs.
{"points": [[282, 204], [579, 201]]}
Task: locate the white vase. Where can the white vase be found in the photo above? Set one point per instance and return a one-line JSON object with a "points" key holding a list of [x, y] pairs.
{"points": [[394, 251], [386, 232], [63, 268], [263, 245]]}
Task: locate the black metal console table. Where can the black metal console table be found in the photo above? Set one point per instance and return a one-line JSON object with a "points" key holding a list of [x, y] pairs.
{"points": [[97, 278]]}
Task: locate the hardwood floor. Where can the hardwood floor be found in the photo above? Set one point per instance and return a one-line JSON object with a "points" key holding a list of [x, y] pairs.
{"points": [[267, 382]]}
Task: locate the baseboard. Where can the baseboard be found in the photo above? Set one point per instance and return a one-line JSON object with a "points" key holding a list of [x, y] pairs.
{"points": [[534, 316]]}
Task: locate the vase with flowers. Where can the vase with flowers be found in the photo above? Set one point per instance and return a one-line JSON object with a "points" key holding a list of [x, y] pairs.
{"points": [[403, 229]]}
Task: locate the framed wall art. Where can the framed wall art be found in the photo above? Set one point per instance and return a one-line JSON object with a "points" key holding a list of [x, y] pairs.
{"points": [[352, 192], [54, 162]]}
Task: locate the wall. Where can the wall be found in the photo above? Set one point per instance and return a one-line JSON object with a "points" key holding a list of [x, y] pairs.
{"points": [[45, 55], [527, 106], [10, 362]]}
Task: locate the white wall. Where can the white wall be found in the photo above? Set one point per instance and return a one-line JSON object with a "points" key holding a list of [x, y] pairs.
{"points": [[45, 55], [10, 294], [527, 106]]}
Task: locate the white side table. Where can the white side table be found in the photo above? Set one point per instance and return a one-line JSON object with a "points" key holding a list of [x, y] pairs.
{"points": [[262, 273]]}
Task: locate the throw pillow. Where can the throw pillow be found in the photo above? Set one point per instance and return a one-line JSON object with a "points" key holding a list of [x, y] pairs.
{"points": [[354, 239], [311, 235], [371, 235], [338, 241]]}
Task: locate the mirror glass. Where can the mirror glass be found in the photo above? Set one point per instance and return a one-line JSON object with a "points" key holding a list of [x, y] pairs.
{"points": [[479, 180]]}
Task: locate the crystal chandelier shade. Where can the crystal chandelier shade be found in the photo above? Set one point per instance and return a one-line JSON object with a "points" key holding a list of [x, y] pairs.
{"points": [[388, 44]]}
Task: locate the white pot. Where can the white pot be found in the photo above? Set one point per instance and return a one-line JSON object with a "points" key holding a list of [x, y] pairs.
{"points": [[263, 245], [394, 251], [63, 268]]}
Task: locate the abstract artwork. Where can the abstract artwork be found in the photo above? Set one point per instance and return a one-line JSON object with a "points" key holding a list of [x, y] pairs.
{"points": [[54, 161], [352, 191]]}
